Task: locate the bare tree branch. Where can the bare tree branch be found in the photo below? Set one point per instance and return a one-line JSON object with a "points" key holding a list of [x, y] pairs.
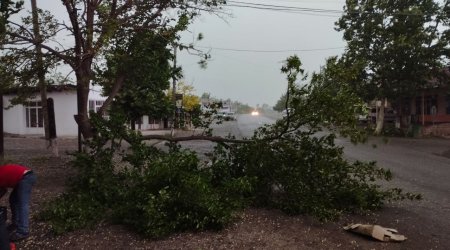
{"points": [[115, 90], [21, 27], [72, 12], [65, 58], [193, 137]]}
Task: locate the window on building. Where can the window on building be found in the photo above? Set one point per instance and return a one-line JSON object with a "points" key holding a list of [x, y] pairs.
{"points": [[429, 101], [95, 105], [153, 120], [34, 116], [91, 105]]}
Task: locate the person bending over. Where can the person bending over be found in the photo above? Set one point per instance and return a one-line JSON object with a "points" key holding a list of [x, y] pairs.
{"points": [[21, 180]]}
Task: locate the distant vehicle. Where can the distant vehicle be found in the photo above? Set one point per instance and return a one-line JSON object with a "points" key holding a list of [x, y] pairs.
{"points": [[255, 112], [363, 118], [226, 116], [389, 115], [229, 116]]}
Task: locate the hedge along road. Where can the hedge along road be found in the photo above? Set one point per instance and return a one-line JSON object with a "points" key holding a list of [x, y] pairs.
{"points": [[418, 165]]}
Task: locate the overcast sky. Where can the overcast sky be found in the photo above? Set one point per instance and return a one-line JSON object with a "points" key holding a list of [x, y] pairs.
{"points": [[254, 77], [246, 61]]}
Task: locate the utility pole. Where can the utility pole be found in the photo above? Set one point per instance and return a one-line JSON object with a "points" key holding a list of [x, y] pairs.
{"points": [[174, 91]]}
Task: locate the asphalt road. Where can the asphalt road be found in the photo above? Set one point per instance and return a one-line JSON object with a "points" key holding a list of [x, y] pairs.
{"points": [[418, 165]]}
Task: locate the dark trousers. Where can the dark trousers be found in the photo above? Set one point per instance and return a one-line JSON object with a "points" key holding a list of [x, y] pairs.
{"points": [[4, 239]]}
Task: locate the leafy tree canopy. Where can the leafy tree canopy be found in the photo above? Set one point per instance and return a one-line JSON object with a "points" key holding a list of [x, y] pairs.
{"points": [[190, 100], [142, 62], [97, 25], [281, 103], [398, 44], [7, 8], [287, 165]]}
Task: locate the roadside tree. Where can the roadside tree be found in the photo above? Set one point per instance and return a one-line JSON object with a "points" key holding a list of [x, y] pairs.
{"points": [[190, 100], [93, 24], [399, 44], [142, 63], [288, 166], [281, 104]]}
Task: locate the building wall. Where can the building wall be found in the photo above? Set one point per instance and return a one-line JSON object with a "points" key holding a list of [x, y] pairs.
{"points": [[441, 115], [434, 124], [65, 104], [14, 119], [65, 109], [149, 124]]}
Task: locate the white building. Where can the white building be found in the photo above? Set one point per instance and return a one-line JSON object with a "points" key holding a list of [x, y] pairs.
{"points": [[28, 119]]}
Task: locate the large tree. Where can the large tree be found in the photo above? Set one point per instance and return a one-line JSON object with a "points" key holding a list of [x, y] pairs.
{"points": [[281, 103], [143, 63], [7, 8], [92, 24], [400, 44]]}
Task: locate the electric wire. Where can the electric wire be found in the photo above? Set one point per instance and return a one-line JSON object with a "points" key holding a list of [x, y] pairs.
{"points": [[268, 51], [303, 10], [288, 7]]}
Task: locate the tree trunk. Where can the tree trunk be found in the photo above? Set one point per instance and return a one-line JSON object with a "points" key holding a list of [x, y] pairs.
{"points": [[133, 124], [51, 144], [380, 118], [82, 118]]}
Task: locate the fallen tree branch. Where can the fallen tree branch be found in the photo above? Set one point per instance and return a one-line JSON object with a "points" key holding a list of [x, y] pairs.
{"points": [[193, 137]]}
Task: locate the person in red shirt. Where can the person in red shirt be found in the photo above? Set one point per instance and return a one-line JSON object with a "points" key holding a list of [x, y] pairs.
{"points": [[21, 179]]}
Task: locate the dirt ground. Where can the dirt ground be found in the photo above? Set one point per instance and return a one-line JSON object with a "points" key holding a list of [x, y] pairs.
{"points": [[255, 229]]}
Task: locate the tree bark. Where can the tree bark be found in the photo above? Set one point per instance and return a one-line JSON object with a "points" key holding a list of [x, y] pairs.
{"points": [[380, 118], [82, 118], [41, 77]]}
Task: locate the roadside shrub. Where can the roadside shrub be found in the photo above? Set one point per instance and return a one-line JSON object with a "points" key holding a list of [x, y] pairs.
{"points": [[174, 194], [293, 165], [153, 192], [304, 174], [73, 211]]}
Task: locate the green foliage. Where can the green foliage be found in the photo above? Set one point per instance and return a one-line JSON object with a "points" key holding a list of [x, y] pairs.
{"points": [[174, 195], [8, 8], [398, 46], [300, 174], [281, 104], [143, 63], [154, 192], [294, 164], [116, 23], [73, 211]]}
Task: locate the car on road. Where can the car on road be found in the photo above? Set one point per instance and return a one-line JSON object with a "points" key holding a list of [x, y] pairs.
{"points": [[226, 116], [389, 115], [229, 116], [371, 116]]}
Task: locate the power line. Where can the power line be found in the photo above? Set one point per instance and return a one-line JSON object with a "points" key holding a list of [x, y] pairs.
{"points": [[269, 51], [281, 7], [303, 10], [286, 9], [283, 10]]}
